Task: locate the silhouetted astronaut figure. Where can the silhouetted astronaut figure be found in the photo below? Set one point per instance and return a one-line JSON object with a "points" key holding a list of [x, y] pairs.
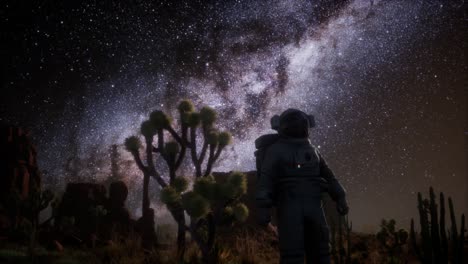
{"points": [[293, 176]]}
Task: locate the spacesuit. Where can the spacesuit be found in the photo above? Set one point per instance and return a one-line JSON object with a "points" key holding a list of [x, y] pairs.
{"points": [[293, 175]]}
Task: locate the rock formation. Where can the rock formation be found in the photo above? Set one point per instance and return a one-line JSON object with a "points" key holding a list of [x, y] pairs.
{"points": [[19, 171]]}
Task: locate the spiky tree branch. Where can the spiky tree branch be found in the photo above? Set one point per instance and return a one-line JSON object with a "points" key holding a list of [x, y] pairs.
{"points": [[193, 151], [182, 142]]}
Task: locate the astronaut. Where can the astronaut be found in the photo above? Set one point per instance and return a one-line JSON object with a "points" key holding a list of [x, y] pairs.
{"points": [[292, 177]]}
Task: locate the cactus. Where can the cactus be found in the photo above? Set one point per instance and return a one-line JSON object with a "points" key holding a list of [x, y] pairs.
{"points": [[457, 239], [348, 228], [339, 252], [435, 248], [443, 234], [435, 237], [333, 242], [459, 254]]}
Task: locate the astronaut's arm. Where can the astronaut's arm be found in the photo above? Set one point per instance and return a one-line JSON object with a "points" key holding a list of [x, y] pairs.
{"points": [[335, 189], [264, 195]]}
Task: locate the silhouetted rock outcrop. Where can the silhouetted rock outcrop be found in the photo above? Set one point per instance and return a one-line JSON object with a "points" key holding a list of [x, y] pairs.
{"points": [[117, 219], [93, 215], [145, 226], [19, 173], [80, 203]]}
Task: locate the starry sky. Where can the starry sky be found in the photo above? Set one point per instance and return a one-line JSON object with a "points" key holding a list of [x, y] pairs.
{"points": [[386, 81]]}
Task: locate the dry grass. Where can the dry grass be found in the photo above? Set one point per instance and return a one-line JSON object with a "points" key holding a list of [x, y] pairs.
{"points": [[251, 245], [236, 245]]}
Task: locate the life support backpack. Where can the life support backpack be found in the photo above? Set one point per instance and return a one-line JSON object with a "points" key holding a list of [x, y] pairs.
{"points": [[262, 144]]}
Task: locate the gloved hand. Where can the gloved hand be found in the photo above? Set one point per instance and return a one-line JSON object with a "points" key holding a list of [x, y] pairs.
{"points": [[342, 206], [273, 229], [263, 216]]}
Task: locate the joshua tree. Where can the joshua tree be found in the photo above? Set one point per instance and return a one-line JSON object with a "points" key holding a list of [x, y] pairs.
{"points": [[210, 204], [196, 203]]}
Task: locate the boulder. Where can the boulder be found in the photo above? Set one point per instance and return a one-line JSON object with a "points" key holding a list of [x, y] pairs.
{"points": [[117, 219], [80, 202], [146, 228]]}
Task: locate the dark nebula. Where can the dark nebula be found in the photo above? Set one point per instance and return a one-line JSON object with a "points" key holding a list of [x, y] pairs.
{"points": [[386, 81]]}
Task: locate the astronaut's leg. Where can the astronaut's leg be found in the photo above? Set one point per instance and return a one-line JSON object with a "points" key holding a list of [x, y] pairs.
{"points": [[324, 248], [291, 234], [317, 237]]}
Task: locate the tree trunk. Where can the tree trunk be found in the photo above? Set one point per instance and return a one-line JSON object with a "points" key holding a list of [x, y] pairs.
{"points": [[209, 254], [178, 213], [145, 192], [181, 239]]}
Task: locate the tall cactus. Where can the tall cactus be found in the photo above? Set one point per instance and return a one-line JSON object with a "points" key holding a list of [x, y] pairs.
{"points": [[341, 249], [434, 242], [459, 256], [340, 235], [456, 238], [443, 234], [348, 228], [423, 208], [333, 242], [435, 237]]}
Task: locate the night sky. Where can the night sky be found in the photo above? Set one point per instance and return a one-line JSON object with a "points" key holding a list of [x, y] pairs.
{"points": [[386, 81]]}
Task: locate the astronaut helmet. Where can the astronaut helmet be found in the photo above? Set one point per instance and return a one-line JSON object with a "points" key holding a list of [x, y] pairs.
{"points": [[293, 123]]}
